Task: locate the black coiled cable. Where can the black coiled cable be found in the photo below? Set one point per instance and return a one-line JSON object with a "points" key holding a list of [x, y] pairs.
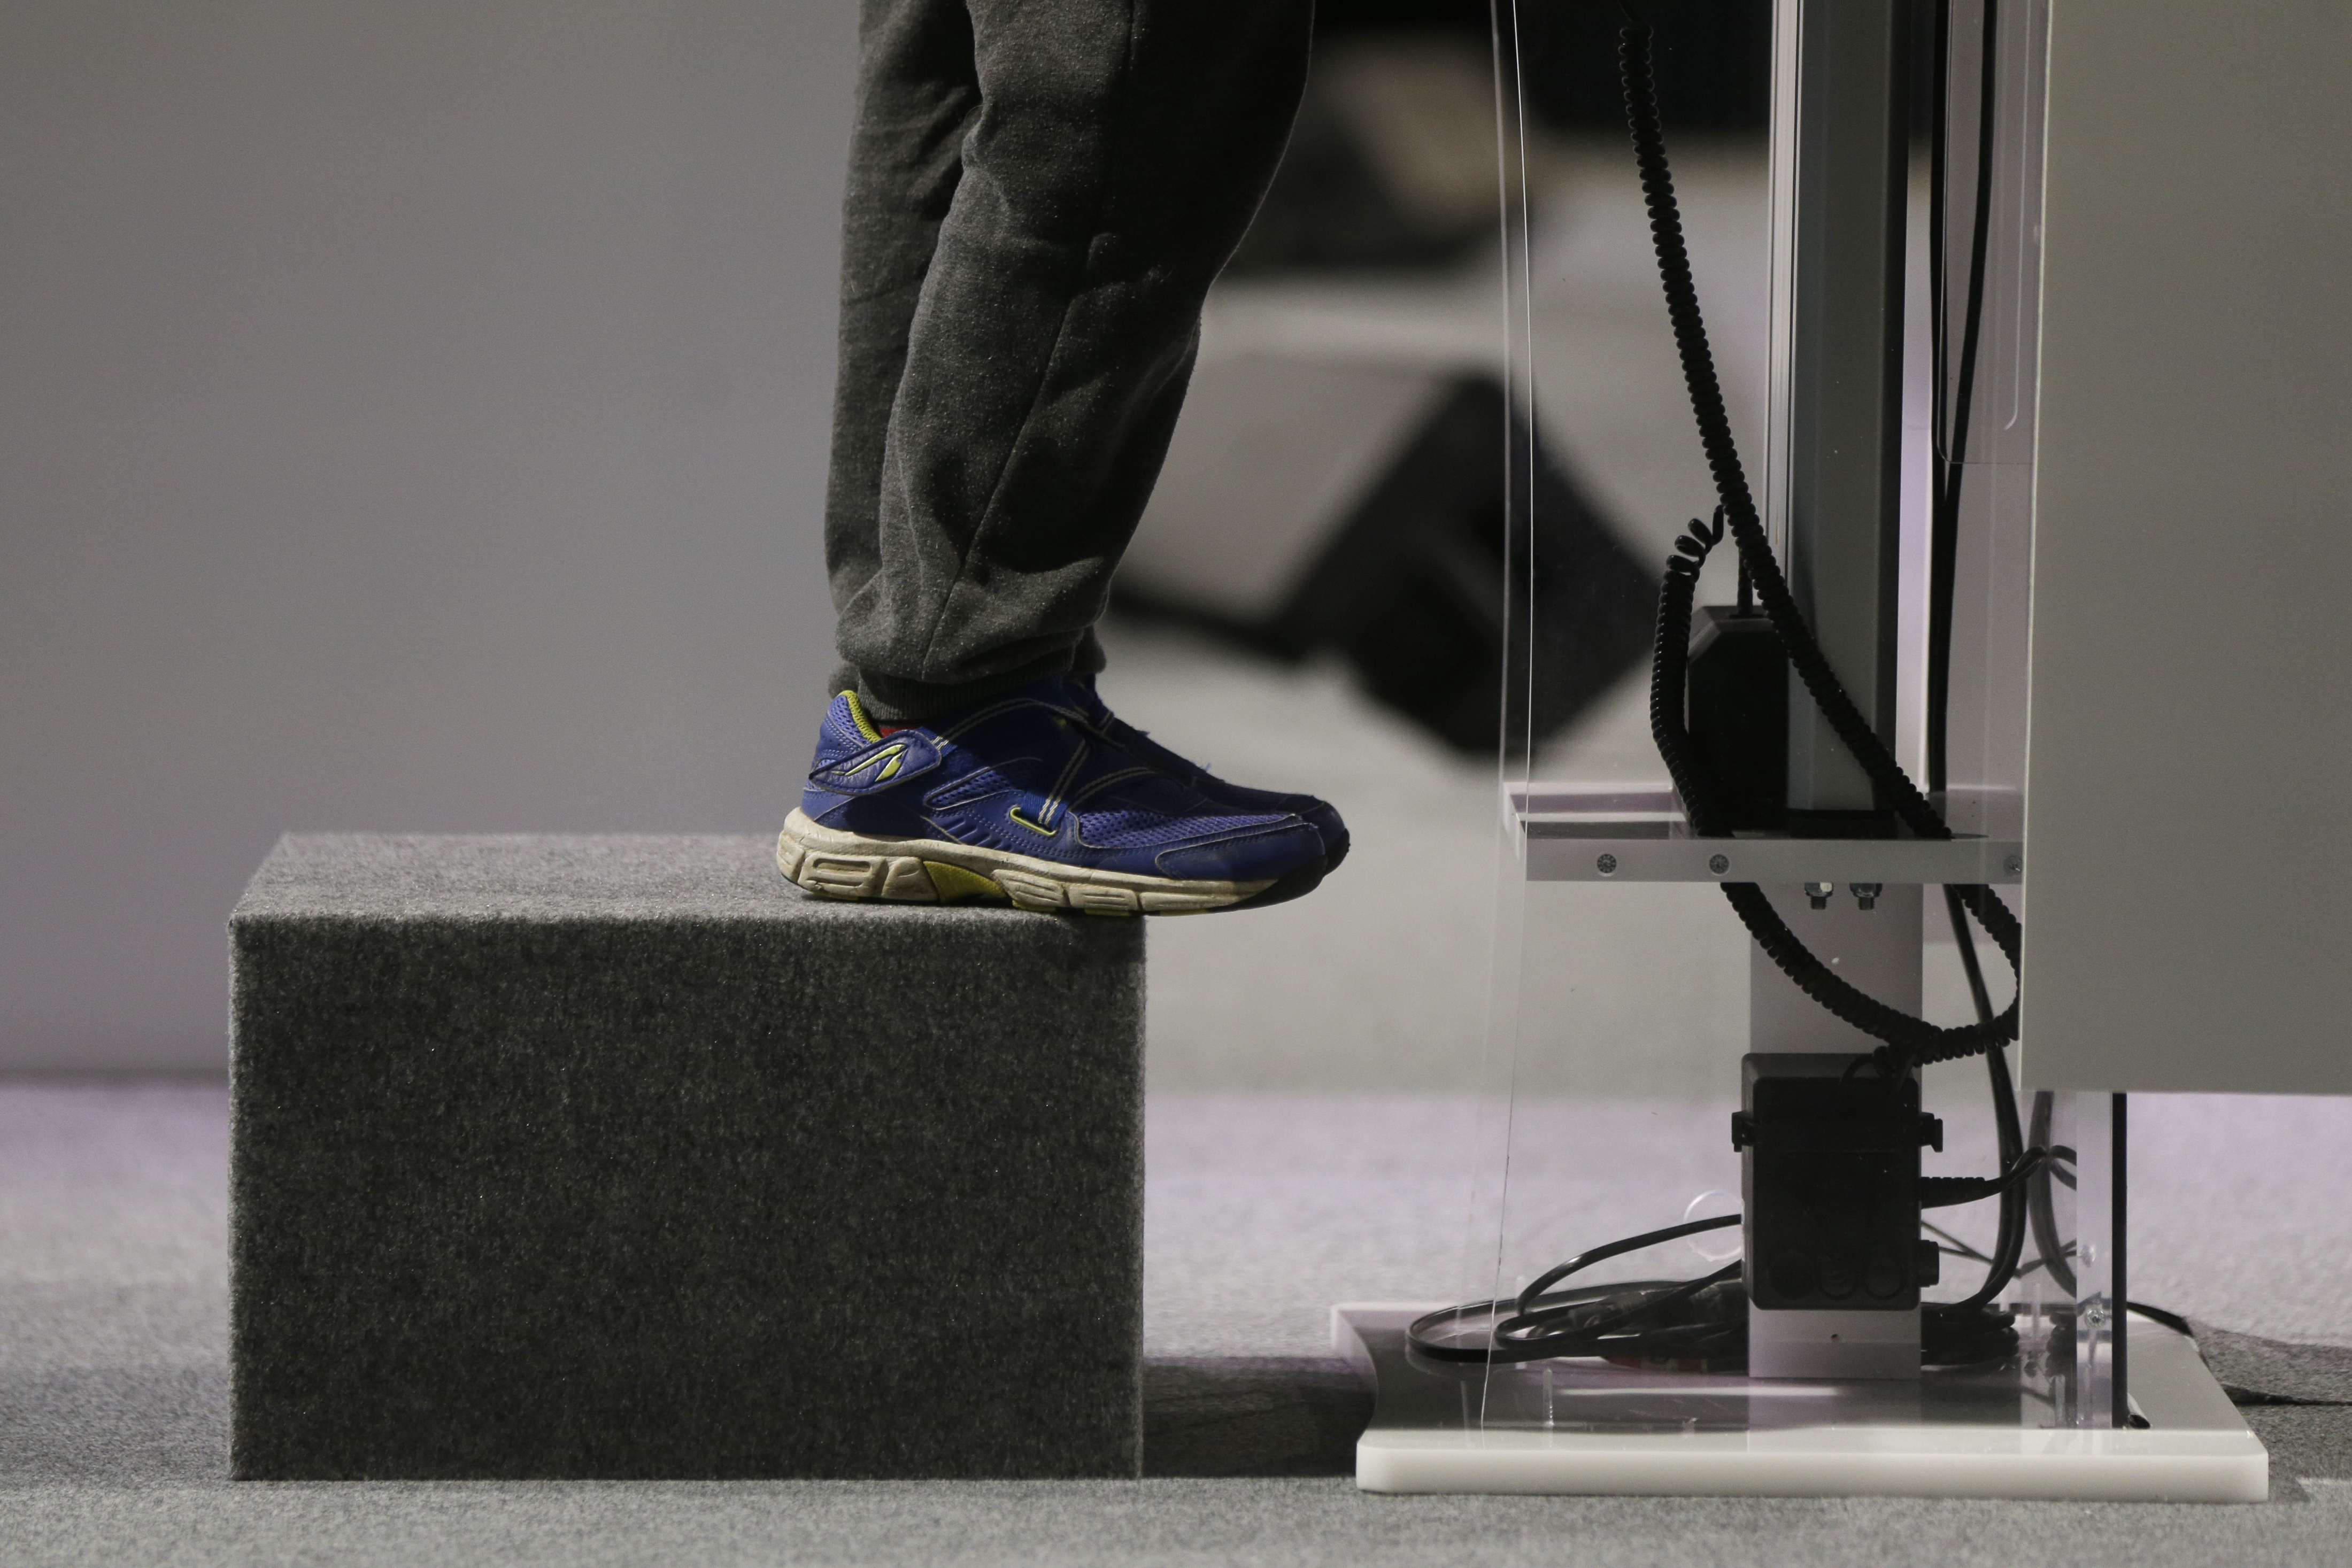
{"points": [[1909, 1041], [1614, 1319], [1704, 1318]]}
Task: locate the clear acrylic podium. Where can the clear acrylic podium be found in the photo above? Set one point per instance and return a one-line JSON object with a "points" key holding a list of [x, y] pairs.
{"points": [[1626, 991]]}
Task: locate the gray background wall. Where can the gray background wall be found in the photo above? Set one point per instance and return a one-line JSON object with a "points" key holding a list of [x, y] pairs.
{"points": [[413, 417]]}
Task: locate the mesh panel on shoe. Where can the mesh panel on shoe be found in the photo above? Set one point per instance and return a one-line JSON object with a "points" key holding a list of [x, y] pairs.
{"points": [[838, 737], [972, 787], [1123, 827]]}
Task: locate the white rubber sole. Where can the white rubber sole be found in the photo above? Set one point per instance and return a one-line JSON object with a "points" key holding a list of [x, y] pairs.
{"points": [[835, 864]]}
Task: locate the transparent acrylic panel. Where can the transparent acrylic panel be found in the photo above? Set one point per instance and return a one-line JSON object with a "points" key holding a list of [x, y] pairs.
{"points": [[1983, 423], [1520, 459], [1628, 990]]}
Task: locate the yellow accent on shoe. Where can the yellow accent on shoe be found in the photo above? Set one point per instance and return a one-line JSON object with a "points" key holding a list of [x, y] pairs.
{"points": [[1015, 812], [857, 717], [893, 756], [955, 883]]}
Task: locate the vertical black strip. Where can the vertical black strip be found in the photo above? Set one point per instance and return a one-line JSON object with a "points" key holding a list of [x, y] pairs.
{"points": [[1938, 124], [1951, 447], [2120, 1314]]}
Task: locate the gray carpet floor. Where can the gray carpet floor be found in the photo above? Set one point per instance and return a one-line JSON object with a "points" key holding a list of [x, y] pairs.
{"points": [[1263, 1209]]}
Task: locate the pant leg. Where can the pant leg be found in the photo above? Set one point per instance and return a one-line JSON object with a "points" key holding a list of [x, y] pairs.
{"points": [[1119, 149], [918, 97]]}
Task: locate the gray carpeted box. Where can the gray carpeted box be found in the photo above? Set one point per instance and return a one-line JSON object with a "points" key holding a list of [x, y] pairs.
{"points": [[619, 1156]]}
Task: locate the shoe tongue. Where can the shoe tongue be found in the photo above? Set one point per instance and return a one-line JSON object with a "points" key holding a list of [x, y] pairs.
{"points": [[1079, 692], [1069, 692]]}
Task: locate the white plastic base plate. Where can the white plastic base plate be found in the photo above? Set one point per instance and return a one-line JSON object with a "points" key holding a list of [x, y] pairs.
{"points": [[1584, 1426]]}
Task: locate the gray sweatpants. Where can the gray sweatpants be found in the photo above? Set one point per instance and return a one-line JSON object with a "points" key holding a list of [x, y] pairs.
{"points": [[1039, 193]]}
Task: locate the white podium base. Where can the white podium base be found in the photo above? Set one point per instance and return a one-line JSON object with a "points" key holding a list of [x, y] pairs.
{"points": [[1582, 1426]]}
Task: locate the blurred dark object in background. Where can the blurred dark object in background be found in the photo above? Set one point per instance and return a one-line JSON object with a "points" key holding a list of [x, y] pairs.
{"points": [[1357, 505], [1714, 60], [1714, 56], [1391, 165], [1392, 162], [1360, 509]]}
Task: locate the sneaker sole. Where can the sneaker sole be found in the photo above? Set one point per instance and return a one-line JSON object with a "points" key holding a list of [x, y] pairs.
{"points": [[831, 863]]}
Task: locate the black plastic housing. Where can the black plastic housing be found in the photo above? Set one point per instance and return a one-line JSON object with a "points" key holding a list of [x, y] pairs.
{"points": [[1830, 1175], [1738, 715]]}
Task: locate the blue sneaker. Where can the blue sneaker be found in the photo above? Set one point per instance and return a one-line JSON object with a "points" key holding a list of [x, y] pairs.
{"points": [[1024, 799], [1139, 744]]}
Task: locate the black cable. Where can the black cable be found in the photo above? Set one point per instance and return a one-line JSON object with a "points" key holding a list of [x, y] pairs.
{"points": [[1638, 1319], [2007, 1251], [2020, 1162], [1530, 1300], [1739, 505], [1941, 77], [1645, 1319], [2032, 1207], [1541, 1323], [2172, 1321], [1913, 1041], [1952, 1246], [1944, 535], [1910, 1041], [1944, 1192], [2040, 1202], [2015, 1196], [1967, 943], [1916, 1040], [1717, 1336]]}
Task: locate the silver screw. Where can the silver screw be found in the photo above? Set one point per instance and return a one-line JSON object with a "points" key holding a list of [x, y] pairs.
{"points": [[1718, 863], [1865, 894], [1607, 865], [2013, 864], [1818, 893]]}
